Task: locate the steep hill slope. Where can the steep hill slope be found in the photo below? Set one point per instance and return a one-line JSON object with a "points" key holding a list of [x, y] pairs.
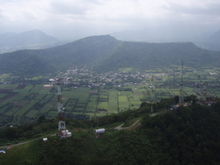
{"points": [[105, 53], [24, 63], [87, 51], [143, 55]]}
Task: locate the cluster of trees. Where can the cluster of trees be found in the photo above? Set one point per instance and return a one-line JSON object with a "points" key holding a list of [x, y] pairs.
{"points": [[33, 130], [27, 131], [187, 135]]}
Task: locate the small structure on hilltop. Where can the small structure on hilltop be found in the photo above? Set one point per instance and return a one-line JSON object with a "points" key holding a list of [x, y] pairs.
{"points": [[45, 139], [98, 132]]}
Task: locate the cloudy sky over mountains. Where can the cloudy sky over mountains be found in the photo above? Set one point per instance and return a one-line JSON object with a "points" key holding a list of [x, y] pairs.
{"points": [[79, 18]]}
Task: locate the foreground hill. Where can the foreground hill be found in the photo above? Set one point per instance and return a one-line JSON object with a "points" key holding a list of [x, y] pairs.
{"points": [[187, 135], [105, 53]]}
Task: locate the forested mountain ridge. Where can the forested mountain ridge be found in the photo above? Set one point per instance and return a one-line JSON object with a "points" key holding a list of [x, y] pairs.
{"points": [[82, 52], [105, 53], [24, 63], [145, 55], [87, 51]]}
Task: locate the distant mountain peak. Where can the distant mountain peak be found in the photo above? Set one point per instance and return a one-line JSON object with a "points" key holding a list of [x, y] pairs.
{"points": [[102, 37], [25, 40], [35, 31]]}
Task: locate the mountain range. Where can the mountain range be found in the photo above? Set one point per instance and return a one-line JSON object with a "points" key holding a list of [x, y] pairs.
{"points": [[34, 39], [105, 53]]}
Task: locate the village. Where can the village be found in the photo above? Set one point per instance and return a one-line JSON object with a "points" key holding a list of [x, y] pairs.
{"points": [[86, 78]]}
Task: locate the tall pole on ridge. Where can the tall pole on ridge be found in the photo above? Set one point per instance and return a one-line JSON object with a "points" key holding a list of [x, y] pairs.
{"points": [[61, 122], [181, 100]]}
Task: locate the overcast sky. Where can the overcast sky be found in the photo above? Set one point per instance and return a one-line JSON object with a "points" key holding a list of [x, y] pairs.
{"points": [[79, 18]]}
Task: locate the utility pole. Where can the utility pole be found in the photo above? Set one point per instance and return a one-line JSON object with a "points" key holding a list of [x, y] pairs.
{"points": [[181, 99], [152, 94]]}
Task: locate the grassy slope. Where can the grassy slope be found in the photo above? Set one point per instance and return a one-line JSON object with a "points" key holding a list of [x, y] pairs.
{"points": [[18, 155]]}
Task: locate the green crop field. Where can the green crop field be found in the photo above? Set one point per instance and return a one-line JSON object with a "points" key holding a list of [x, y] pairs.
{"points": [[36, 88], [103, 105], [12, 111], [91, 107], [125, 69], [2, 95], [32, 113], [28, 102], [52, 114], [113, 102]]}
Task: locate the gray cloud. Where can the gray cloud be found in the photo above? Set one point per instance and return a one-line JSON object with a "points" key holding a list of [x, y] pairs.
{"points": [[70, 18], [209, 9], [68, 8], [1, 16]]}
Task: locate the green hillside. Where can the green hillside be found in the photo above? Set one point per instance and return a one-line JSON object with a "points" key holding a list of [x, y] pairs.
{"points": [[143, 55], [25, 63], [187, 135], [105, 53]]}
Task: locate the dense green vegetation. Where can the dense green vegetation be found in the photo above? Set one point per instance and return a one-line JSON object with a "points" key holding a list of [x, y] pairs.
{"points": [[105, 53], [187, 135], [41, 128], [41, 62]]}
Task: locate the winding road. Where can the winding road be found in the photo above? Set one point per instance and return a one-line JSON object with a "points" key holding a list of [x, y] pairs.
{"points": [[134, 125]]}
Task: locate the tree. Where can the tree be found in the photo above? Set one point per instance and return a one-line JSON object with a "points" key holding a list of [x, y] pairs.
{"points": [[41, 119], [176, 99]]}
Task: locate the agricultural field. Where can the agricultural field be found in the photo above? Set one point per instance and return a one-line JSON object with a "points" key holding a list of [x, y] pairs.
{"points": [[25, 103]]}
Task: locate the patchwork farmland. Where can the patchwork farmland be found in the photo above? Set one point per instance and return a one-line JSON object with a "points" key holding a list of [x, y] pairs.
{"points": [[25, 103]]}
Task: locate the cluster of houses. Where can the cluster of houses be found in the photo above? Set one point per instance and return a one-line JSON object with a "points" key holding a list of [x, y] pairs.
{"points": [[85, 77]]}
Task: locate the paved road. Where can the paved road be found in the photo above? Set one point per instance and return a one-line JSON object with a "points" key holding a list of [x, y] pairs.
{"points": [[134, 124], [119, 127], [13, 145]]}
